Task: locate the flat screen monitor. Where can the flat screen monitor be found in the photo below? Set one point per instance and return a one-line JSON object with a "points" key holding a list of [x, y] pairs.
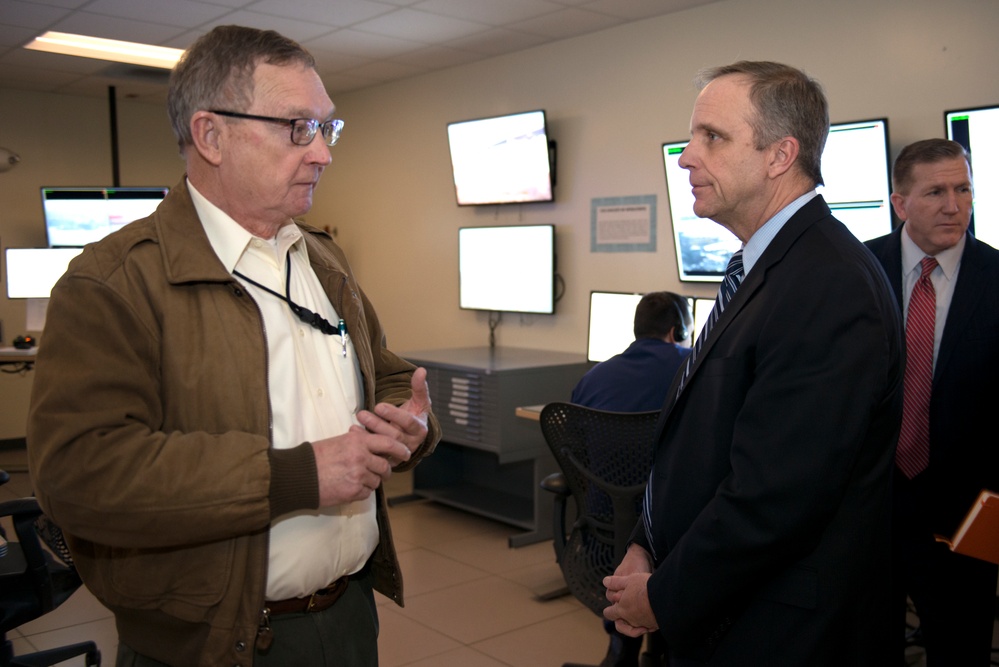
{"points": [[703, 247], [32, 272], [978, 131], [502, 160], [507, 269], [700, 308], [611, 324], [857, 172], [76, 216], [856, 168]]}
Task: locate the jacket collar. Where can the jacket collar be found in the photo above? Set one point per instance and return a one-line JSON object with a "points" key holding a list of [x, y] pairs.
{"points": [[188, 256]]}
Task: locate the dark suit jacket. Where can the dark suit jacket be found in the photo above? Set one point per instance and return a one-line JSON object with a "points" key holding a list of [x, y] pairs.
{"points": [[771, 484], [964, 454]]}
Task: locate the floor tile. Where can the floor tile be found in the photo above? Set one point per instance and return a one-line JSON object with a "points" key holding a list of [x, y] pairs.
{"points": [[81, 607], [425, 571], [426, 524], [459, 657], [402, 640], [491, 552], [575, 637], [101, 632], [480, 609]]}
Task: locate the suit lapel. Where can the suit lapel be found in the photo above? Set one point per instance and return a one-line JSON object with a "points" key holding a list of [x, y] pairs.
{"points": [[809, 214], [962, 306]]}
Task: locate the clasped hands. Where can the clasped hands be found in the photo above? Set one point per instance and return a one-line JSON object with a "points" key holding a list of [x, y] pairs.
{"points": [[627, 590], [352, 465]]}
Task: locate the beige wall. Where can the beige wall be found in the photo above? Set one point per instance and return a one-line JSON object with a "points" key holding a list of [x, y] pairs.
{"points": [[612, 98]]}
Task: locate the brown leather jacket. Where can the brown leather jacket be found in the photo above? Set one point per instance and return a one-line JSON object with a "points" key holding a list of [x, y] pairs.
{"points": [[149, 433]]}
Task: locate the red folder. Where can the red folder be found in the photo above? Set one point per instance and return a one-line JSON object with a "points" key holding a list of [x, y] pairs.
{"points": [[978, 534]]}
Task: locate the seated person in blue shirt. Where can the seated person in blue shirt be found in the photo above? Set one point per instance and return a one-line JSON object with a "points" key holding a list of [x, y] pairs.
{"points": [[637, 379]]}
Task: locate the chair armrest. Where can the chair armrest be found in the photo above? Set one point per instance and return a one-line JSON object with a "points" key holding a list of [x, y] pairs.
{"points": [[555, 483]]}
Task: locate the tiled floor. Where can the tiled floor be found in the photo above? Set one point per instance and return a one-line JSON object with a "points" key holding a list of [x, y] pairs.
{"points": [[471, 601]]}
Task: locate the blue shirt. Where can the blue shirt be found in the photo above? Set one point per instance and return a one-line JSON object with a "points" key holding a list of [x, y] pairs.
{"points": [[636, 380]]}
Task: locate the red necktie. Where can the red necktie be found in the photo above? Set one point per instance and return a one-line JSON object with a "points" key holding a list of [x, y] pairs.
{"points": [[913, 453]]}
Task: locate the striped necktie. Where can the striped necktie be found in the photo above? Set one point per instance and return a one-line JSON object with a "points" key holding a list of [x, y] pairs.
{"points": [[913, 452], [730, 283]]}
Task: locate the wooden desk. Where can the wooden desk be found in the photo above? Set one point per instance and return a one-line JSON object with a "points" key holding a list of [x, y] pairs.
{"points": [[532, 412]]}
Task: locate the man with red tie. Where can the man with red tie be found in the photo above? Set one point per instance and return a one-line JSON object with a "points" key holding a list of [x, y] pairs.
{"points": [[947, 284]]}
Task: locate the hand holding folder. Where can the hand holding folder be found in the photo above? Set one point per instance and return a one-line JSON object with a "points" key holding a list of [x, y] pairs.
{"points": [[978, 534]]}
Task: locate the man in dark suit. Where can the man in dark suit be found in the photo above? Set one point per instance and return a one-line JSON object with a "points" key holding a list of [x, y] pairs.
{"points": [[765, 536], [954, 595]]}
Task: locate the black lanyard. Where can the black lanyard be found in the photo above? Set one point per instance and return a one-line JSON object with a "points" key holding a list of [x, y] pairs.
{"points": [[314, 320]]}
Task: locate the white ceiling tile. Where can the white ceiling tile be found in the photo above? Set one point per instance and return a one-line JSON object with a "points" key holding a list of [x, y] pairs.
{"points": [[494, 13], [11, 36], [633, 10], [363, 44], [420, 26], [567, 23], [386, 70], [29, 14], [357, 43], [340, 13], [180, 13], [111, 27], [498, 41], [295, 29], [439, 57]]}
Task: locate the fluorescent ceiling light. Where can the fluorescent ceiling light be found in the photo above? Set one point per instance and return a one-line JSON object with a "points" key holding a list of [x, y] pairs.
{"points": [[106, 49]]}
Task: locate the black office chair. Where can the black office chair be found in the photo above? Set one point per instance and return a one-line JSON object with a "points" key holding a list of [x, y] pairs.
{"points": [[605, 458], [33, 582]]}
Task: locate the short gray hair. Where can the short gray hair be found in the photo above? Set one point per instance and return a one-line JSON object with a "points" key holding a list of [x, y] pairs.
{"points": [[787, 102], [217, 71]]}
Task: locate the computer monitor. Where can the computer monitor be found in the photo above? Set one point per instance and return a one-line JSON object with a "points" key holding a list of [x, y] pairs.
{"points": [[611, 324], [700, 308], [76, 216], [502, 160], [857, 172], [611, 327], [33, 272], [485, 278], [856, 168], [977, 130]]}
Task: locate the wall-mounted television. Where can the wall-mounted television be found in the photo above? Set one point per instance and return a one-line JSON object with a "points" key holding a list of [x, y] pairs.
{"points": [[977, 129], [76, 216], [611, 324], [856, 169], [33, 272], [505, 159], [507, 268], [703, 247]]}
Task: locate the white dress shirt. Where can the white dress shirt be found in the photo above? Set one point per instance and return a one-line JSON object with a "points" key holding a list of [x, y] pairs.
{"points": [[315, 392]]}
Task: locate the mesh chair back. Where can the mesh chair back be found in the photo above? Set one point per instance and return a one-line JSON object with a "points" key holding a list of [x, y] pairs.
{"points": [[606, 458]]}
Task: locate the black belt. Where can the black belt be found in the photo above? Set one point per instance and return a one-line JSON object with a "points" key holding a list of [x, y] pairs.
{"points": [[322, 599]]}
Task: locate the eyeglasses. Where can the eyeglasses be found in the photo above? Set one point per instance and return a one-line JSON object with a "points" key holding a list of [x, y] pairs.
{"points": [[303, 130]]}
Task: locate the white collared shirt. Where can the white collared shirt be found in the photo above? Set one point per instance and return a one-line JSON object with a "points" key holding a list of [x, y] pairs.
{"points": [[315, 392]]}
